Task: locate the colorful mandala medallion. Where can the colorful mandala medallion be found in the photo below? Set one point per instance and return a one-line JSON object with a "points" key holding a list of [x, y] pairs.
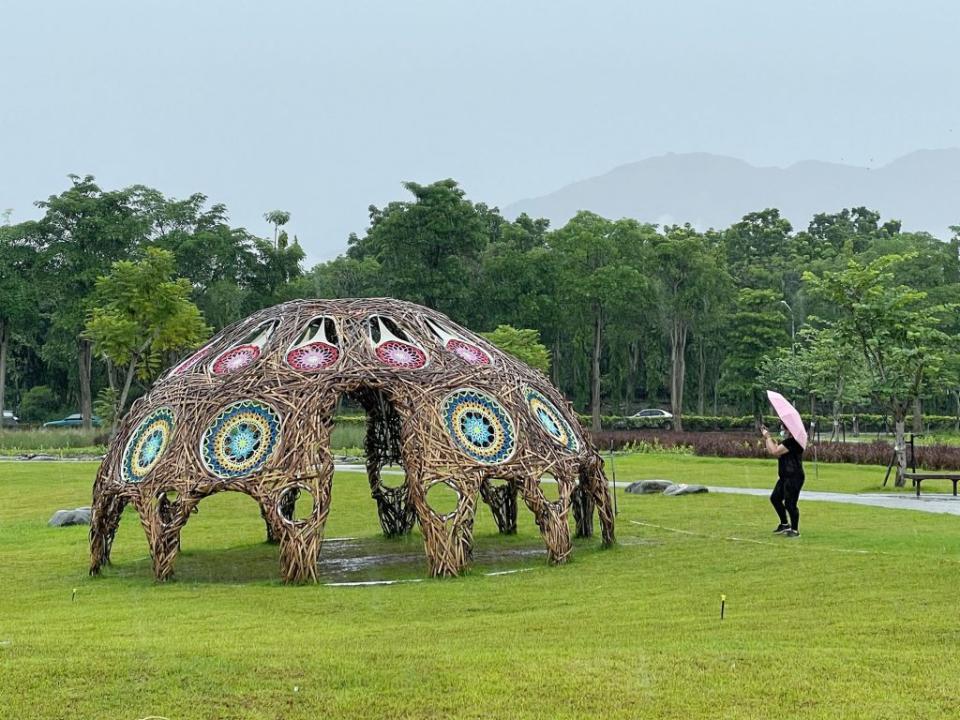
{"points": [[191, 361], [551, 420], [479, 425], [146, 445], [236, 359], [312, 357], [399, 354], [241, 439], [467, 352]]}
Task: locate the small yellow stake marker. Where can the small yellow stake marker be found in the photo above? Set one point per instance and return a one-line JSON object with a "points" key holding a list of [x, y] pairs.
{"points": [[723, 604]]}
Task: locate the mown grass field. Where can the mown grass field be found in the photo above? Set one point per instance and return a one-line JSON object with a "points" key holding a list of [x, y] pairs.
{"points": [[856, 619]]}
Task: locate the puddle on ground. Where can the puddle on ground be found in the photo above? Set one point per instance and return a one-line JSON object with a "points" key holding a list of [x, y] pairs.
{"points": [[374, 559]]}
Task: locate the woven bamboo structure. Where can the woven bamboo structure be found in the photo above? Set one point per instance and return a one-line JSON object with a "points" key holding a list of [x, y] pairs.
{"points": [[252, 411]]}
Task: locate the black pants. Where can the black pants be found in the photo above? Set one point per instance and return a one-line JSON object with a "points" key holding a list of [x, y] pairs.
{"points": [[784, 498]]}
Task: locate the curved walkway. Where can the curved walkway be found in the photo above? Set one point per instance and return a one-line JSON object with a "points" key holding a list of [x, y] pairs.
{"points": [[932, 503]]}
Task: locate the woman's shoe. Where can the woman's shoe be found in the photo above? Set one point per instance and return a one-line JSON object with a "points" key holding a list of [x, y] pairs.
{"points": [[781, 529], [790, 532]]}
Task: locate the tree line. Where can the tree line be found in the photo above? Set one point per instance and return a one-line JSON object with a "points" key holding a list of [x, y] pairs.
{"points": [[851, 312]]}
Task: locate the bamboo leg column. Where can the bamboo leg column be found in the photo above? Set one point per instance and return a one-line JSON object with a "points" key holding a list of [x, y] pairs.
{"points": [[551, 517], [594, 482], [583, 505], [106, 513], [162, 519], [502, 501], [382, 444], [300, 539], [287, 503], [448, 537]]}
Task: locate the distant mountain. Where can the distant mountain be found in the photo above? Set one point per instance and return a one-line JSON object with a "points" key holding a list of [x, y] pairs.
{"points": [[922, 189]]}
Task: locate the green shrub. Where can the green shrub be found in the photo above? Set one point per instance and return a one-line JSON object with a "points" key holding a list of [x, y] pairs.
{"points": [[38, 404]]}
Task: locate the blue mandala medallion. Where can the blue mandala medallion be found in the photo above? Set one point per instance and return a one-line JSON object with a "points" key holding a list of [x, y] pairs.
{"points": [[479, 426], [240, 440], [146, 444], [550, 419]]}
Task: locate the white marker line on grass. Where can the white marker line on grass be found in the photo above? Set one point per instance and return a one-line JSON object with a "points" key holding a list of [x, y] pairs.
{"points": [[855, 551], [365, 583]]}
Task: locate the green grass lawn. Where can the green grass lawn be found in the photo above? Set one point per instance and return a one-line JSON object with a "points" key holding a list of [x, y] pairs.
{"points": [[856, 619]]}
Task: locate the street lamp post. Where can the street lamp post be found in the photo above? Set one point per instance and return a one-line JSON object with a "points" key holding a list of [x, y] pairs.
{"points": [[793, 327]]}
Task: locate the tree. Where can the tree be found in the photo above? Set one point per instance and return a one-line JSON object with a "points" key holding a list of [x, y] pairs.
{"points": [[898, 333], [824, 366], [142, 311], [600, 276], [523, 344], [18, 298], [691, 278], [429, 249], [757, 327], [277, 218], [756, 249], [83, 230]]}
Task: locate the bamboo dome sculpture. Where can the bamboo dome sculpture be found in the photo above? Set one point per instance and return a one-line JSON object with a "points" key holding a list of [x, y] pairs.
{"points": [[253, 410]]}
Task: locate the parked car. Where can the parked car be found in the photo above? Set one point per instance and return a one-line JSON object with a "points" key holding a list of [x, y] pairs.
{"points": [[75, 420], [653, 413], [9, 419]]}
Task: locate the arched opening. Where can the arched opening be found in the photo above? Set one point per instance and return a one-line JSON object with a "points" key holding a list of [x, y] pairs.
{"points": [[297, 505], [443, 499], [550, 487]]}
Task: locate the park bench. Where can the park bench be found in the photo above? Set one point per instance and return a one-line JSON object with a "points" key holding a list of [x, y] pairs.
{"points": [[917, 478]]}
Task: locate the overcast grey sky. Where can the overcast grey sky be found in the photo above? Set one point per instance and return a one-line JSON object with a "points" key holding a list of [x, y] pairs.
{"points": [[323, 108]]}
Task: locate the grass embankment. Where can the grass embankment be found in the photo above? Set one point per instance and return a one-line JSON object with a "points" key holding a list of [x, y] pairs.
{"points": [[347, 438], [62, 442], [856, 619]]}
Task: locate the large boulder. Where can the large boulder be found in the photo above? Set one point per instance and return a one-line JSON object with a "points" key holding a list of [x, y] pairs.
{"points": [[682, 489], [649, 487], [63, 518]]}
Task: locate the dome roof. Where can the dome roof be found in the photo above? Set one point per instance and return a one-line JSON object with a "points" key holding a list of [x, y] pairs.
{"points": [[253, 409]]}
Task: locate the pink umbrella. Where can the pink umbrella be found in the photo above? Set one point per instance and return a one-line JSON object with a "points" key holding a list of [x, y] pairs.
{"points": [[788, 416]]}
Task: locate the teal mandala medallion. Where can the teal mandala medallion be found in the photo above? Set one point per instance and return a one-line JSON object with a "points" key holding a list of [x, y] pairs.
{"points": [[241, 439], [479, 426], [146, 445], [550, 419]]}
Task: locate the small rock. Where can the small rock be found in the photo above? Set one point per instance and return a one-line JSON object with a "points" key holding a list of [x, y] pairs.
{"points": [[685, 489], [63, 518], [648, 487]]}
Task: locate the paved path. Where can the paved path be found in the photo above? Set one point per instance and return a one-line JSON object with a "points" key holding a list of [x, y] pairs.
{"points": [[932, 503]]}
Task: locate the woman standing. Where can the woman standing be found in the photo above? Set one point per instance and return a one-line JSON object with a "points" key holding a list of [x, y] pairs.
{"points": [[785, 494]]}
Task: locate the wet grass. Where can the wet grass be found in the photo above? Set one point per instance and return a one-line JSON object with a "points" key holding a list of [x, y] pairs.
{"points": [[856, 619]]}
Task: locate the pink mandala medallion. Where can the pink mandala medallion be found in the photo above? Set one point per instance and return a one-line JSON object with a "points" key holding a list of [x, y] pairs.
{"points": [[401, 355], [191, 361], [312, 357], [468, 353], [236, 359]]}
